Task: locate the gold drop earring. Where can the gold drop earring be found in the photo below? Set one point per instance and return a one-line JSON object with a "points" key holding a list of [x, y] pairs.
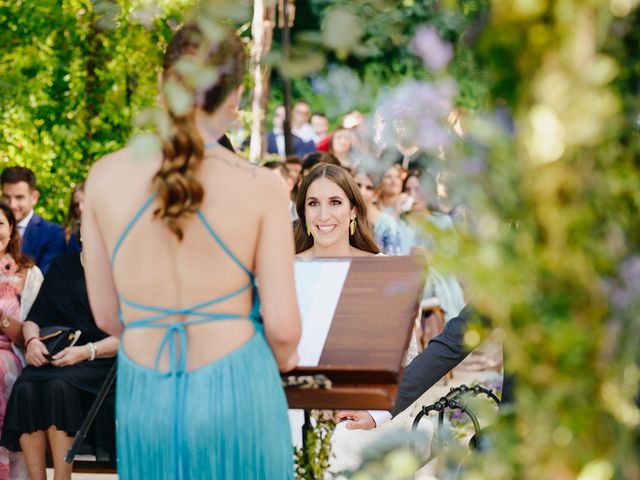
{"points": [[308, 231], [352, 226]]}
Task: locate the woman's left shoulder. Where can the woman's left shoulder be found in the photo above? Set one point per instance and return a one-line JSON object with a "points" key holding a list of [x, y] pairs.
{"points": [[33, 274]]}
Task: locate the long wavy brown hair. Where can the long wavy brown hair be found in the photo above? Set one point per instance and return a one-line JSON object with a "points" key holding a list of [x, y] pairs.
{"points": [[72, 212], [176, 183], [362, 239], [14, 247]]}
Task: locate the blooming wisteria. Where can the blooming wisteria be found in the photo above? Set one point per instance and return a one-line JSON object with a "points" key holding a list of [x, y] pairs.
{"points": [[416, 113], [431, 48]]}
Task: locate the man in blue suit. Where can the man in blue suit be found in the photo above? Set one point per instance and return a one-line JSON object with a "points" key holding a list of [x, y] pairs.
{"points": [[275, 139], [41, 240]]}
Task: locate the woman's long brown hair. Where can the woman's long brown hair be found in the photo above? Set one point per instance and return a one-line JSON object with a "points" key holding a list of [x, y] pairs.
{"points": [[72, 212], [176, 183], [362, 239], [14, 247]]}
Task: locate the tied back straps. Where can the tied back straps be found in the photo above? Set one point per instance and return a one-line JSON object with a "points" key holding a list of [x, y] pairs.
{"points": [[177, 356], [175, 337]]}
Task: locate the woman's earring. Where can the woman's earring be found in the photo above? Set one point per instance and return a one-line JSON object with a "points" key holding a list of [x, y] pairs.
{"points": [[308, 231], [352, 227]]}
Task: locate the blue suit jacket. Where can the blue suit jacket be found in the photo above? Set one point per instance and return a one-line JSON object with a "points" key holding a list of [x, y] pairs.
{"points": [[300, 147], [43, 241]]}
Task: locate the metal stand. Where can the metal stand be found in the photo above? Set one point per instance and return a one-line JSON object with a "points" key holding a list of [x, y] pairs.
{"points": [[453, 400], [97, 403], [306, 426]]}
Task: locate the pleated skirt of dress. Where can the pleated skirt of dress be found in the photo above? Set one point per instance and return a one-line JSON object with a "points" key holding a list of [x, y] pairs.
{"points": [[231, 414]]}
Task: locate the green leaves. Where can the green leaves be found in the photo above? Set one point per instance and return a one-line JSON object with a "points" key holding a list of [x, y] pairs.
{"points": [[73, 76], [342, 31]]}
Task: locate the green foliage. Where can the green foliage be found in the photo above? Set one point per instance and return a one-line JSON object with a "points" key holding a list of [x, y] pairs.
{"points": [[313, 458], [556, 205], [73, 76], [383, 59]]}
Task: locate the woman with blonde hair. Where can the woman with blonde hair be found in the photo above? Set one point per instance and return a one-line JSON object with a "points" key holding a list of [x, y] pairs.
{"points": [[173, 265]]}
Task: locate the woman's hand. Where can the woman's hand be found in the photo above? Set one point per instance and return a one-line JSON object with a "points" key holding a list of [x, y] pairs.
{"points": [[70, 356], [37, 353]]}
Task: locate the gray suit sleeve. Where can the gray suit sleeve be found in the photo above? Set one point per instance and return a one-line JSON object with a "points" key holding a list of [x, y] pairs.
{"points": [[442, 354]]}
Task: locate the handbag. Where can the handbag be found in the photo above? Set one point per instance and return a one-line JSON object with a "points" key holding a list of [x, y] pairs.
{"points": [[58, 338]]}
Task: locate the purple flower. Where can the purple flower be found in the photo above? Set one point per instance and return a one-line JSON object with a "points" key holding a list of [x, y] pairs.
{"points": [[416, 114], [624, 290], [429, 46]]}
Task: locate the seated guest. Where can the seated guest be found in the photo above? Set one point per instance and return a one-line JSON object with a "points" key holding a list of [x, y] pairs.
{"points": [[41, 240], [74, 214], [20, 281], [313, 159], [276, 142], [282, 172], [320, 124], [300, 126], [385, 226], [294, 166], [341, 146], [333, 216], [53, 395], [389, 191]]}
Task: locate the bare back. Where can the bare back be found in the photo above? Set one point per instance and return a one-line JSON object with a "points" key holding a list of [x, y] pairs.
{"points": [[153, 268]]}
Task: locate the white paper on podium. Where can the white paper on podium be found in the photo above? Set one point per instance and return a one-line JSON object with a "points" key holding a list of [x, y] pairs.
{"points": [[318, 287]]}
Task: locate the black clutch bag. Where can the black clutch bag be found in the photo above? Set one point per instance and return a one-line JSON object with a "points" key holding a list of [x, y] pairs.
{"points": [[57, 339]]}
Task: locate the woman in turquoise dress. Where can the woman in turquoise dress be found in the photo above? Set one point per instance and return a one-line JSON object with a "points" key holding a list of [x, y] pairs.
{"points": [[173, 262]]}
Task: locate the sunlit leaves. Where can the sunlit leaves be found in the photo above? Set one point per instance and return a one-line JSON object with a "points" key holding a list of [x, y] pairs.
{"points": [[107, 14], [179, 98], [301, 61], [227, 10], [73, 75], [342, 31], [198, 75]]}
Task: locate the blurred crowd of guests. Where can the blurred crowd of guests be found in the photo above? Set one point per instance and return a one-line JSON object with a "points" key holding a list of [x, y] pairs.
{"points": [[44, 398]]}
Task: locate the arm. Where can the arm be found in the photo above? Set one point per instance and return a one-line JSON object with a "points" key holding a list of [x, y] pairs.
{"points": [[103, 296], [12, 328], [53, 247], [36, 351], [274, 270], [105, 348], [443, 353]]}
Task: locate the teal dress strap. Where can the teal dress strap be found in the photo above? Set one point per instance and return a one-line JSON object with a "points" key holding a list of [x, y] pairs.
{"points": [[175, 336], [130, 225]]}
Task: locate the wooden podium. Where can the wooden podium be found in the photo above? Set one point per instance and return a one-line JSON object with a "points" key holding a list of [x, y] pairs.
{"points": [[368, 336]]}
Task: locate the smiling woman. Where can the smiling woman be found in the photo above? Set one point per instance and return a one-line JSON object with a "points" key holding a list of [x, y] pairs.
{"points": [[333, 216]]}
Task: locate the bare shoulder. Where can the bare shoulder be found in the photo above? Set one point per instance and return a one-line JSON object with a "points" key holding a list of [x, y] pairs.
{"points": [[268, 188], [118, 169], [109, 163]]}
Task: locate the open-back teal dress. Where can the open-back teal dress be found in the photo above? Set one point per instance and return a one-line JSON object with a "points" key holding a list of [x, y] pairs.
{"points": [[225, 420]]}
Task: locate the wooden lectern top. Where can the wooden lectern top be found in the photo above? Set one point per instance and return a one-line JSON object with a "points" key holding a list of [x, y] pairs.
{"points": [[368, 337]]}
